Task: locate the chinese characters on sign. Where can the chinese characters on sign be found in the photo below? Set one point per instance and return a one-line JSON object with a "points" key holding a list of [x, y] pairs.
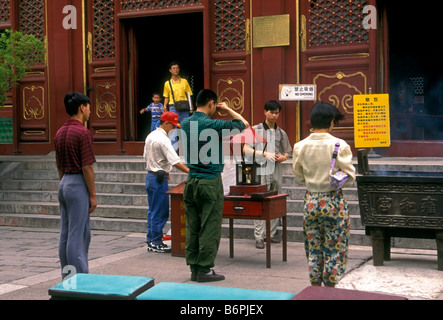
{"points": [[298, 92], [371, 119]]}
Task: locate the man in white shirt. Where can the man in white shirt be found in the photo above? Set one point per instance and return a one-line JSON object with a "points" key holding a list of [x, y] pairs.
{"points": [[160, 157]]}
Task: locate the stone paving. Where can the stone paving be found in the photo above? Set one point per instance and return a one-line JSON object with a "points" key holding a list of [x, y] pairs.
{"points": [[29, 266], [27, 252]]}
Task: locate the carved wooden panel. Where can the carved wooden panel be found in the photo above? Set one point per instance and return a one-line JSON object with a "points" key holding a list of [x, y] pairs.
{"points": [[101, 70], [33, 103], [103, 29], [336, 22], [32, 94], [232, 91], [137, 5], [336, 55], [4, 12], [339, 89], [105, 100], [103, 120], [33, 112], [31, 16], [230, 25], [230, 59], [6, 111]]}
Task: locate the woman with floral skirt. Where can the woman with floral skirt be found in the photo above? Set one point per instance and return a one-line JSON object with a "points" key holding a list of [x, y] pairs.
{"points": [[326, 223]]}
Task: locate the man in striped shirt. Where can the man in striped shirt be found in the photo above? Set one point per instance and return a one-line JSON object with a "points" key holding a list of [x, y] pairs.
{"points": [[76, 193]]}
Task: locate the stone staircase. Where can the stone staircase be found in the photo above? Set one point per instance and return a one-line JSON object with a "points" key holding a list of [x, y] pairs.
{"points": [[28, 198]]}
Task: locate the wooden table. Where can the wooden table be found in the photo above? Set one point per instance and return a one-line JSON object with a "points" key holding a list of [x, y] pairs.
{"points": [[267, 208], [178, 221]]}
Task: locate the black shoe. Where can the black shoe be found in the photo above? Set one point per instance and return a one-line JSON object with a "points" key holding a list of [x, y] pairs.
{"points": [[160, 248], [201, 277]]}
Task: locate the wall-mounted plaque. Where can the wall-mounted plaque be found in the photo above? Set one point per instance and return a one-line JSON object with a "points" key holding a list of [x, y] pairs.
{"points": [[271, 31]]}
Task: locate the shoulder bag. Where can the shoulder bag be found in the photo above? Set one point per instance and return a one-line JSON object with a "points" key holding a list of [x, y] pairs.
{"points": [[180, 106], [338, 179]]}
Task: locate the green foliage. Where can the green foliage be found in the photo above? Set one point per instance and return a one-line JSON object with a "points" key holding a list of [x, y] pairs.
{"points": [[17, 53]]}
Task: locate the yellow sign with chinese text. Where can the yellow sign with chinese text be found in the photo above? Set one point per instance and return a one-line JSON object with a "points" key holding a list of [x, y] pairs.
{"points": [[371, 121]]}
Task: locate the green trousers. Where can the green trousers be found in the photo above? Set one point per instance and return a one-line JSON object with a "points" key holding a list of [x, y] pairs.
{"points": [[204, 209]]}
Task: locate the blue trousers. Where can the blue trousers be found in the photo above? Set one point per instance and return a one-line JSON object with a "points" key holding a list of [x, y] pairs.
{"points": [[75, 229], [155, 123], [158, 211], [174, 135]]}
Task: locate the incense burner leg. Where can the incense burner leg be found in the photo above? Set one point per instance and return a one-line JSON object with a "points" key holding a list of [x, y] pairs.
{"points": [[378, 245], [439, 238]]}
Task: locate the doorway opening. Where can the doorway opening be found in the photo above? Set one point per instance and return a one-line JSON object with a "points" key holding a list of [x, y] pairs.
{"points": [[157, 41], [416, 71]]}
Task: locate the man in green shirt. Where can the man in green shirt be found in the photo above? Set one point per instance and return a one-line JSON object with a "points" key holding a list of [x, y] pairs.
{"points": [[203, 193]]}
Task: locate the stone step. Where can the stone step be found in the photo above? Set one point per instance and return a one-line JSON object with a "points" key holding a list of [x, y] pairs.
{"points": [[28, 197], [97, 223], [136, 163], [52, 209], [51, 196], [102, 164], [52, 185], [100, 176], [122, 199], [135, 188], [128, 188], [128, 212]]}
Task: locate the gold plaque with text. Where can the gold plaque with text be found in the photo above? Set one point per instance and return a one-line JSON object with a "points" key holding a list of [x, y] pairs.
{"points": [[271, 31]]}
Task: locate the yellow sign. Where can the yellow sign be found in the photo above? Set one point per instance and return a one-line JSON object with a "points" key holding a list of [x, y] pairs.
{"points": [[271, 31], [371, 121]]}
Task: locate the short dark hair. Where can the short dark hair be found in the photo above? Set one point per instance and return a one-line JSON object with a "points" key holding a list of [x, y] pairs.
{"points": [[173, 63], [322, 114], [73, 101], [272, 105], [205, 96]]}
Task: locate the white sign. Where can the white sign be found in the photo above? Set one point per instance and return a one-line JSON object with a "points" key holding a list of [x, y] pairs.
{"points": [[298, 92]]}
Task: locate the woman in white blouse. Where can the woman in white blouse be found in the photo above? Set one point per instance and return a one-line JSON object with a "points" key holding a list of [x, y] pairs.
{"points": [[326, 218]]}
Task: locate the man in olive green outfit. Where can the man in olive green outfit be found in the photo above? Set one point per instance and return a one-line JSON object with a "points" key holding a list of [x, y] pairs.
{"points": [[203, 193]]}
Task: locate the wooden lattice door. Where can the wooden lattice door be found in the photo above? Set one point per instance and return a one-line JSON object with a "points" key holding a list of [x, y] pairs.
{"points": [[338, 55], [101, 70], [32, 113]]}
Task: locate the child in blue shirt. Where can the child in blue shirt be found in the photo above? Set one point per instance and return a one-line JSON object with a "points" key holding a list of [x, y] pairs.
{"points": [[156, 109]]}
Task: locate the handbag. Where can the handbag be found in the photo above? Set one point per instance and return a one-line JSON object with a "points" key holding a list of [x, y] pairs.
{"points": [[338, 179], [180, 106]]}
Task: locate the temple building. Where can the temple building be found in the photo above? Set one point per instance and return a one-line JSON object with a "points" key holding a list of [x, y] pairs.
{"points": [[118, 51]]}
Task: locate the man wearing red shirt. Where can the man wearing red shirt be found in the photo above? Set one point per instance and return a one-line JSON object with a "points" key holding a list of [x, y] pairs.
{"points": [[76, 193]]}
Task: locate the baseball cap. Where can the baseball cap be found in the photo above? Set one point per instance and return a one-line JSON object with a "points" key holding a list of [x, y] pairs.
{"points": [[171, 117]]}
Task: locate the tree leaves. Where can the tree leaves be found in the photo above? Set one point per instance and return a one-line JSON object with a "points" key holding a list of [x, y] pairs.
{"points": [[18, 52]]}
